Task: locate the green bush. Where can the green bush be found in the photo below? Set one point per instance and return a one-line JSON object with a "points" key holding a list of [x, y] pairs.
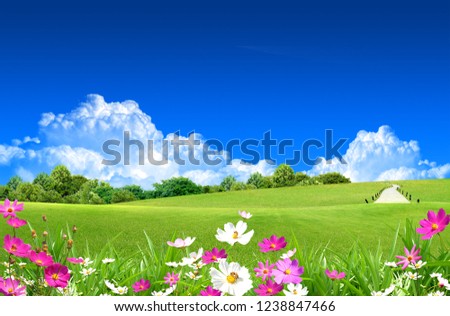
{"points": [[256, 179], [331, 178], [227, 183], [28, 192], [121, 195], [238, 186], [284, 176], [176, 187]]}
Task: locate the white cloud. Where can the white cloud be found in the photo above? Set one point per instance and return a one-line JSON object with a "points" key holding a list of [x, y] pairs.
{"points": [[25, 174], [8, 153], [382, 155], [27, 139]]}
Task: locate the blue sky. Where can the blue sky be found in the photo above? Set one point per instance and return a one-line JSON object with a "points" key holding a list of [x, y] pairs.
{"points": [[233, 69]]}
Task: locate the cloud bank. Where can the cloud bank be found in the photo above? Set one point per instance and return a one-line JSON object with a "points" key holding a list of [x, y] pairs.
{"points": [[75, 139]]}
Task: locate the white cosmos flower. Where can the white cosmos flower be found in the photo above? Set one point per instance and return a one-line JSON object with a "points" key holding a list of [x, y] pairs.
{"points": [[193, 276], [412, 276], [391, 264], [121, 290], [437, 293], [386, 292], [167, 292], [86, 262], [443, 283], [181, 243], [245, 215], [108, 260], [197, 265], [419, 264], [87, 272], [436, 275], [193, 257], [289, 254], [295, 289], [232, 234], [172, 264], [110, 285], [231, 278]]}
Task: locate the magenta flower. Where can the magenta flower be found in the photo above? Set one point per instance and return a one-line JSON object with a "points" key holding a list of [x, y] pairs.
{"points": [[209, 291], [16, 222], [10, 287], [435, 224], [272, 244], [141, 285], [41, 259], [335, 275], [214, 255], [264, 270], [269, 289], [287, 271], [171, 278], [75, 260], [57, 275], [16, 246], [410, 258], [9, 209]]}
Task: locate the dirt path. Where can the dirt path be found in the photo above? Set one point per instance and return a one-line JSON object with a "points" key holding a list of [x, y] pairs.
{"points": [[391, 195]]}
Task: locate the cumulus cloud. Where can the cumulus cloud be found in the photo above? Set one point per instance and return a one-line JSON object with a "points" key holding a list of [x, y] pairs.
{"points": [[26, 140], [75, 139], [381, 155]]}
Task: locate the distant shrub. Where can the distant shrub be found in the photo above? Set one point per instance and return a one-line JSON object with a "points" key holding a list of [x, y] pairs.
{"points": [[238, 186], [137, 191], [331, 178], [257, 180], [51, 197], [228, 182], [176, 187], [28, 192], [283, 176], [121, 195], [300, 177]]}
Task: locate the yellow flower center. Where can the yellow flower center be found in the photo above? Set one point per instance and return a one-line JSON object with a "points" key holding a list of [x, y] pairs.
{"points": [[55, 276], [38, 261], [235, 235], [10, 210], [265, 271], [214, 258], [269, 290], [288, 271], [272, 246], [10, 290], [141, 287], [13, 248], [232, 278], [409, 258], [295, 292], [434, 226]]}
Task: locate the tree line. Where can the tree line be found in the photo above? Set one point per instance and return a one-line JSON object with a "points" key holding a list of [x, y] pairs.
{"points": [[60, 186]]}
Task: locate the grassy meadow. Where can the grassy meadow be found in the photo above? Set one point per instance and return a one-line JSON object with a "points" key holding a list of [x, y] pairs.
{"points": [[333, 215]]}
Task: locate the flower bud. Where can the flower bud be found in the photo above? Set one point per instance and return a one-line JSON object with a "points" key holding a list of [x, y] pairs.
{"points": [[45, 233], [69, 244], [74, 229], [64, 236], [44, 218], [33, 234]]}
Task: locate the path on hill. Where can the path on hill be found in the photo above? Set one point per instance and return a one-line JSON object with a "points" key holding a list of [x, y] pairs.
{"points": [[391, 195]]}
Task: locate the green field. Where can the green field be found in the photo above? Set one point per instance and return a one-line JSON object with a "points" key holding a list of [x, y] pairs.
{"points": [[336, 215]]}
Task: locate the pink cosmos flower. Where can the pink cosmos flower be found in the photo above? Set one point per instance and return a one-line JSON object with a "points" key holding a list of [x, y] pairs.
{"points": [[209, 291], [410, 258], [272, 244], [435, 224], [16, 246], [264, 270], [57, 275], [245, 215], [269, 289], [41, 259], [141, 285], [10, 287], [16, 222], [9, 209], [171, 278], [287, 271], [181, 243], [214, 255], [75, 260], [335, 275]]}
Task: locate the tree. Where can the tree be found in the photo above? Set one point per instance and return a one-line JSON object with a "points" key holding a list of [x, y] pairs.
{"points": [[105, 191], [137, 191], [29, 192], [3, 192], [331, 178], [238, 186], [176, 187], [51, 197], [228, 182], [13, 183], [76, 183], [121, 195], [256, 179], [284, 176], [63, 180], [45, 181], [301, 177], [86, 191]]}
